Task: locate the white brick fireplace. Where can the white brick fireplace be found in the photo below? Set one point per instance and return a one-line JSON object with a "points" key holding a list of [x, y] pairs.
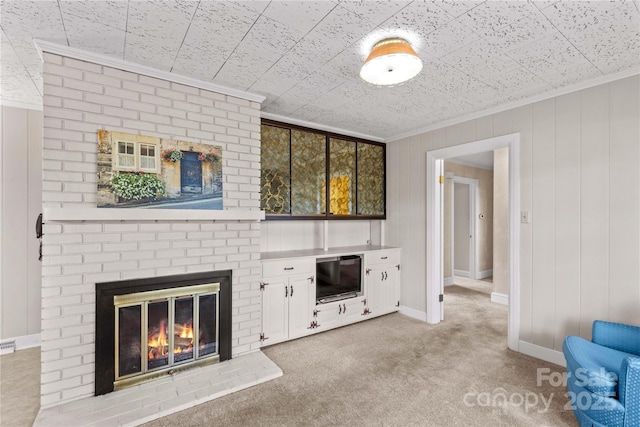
{"points": [[83, 245]]}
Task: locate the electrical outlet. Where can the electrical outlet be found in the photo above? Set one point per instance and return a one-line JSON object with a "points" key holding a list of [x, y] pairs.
{"points": [[368, 242]]}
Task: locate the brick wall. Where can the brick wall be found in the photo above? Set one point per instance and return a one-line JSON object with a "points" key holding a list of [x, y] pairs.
{"points": [[79, 99]]}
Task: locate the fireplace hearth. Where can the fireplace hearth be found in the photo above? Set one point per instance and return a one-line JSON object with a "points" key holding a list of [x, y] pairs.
{"points": [[150, 328]]}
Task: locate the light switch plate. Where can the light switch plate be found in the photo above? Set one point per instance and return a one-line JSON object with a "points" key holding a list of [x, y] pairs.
{"points": [[524, 217]]}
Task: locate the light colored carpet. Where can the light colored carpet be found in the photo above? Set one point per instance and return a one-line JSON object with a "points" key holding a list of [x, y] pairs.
{"points": [[397, 371], [485, 285], [390, 371], [19, 387]]}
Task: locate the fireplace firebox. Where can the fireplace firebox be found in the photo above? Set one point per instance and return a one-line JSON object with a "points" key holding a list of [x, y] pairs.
{"points": [[149, 328]]}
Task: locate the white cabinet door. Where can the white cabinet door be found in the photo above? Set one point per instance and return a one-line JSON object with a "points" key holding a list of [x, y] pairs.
{"points": [[390, 290], [275, 311], [353, 311], [382, 281], [375, 291], [335, 314], [383, 290], [301, 302], [327, 316]]}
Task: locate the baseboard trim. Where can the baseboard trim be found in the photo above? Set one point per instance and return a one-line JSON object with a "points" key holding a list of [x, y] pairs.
{"points": [[413, 313], [448, 281], [461, 273], [499, 298], [485, 273], [20, 343], [543, 353]]}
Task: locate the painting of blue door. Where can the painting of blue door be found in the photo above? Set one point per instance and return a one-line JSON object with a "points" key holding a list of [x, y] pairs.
{"points": [[190, 173]]}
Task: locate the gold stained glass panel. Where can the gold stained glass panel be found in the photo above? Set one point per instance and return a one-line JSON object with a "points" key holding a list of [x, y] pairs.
{"points": [[308, 170], [342, 188], [370, 179], [275, 179]]}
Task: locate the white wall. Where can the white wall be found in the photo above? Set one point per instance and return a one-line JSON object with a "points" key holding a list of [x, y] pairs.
{"points": [[283, 235], [580, 180], [501, 221], [21, 198], [461, 231]]}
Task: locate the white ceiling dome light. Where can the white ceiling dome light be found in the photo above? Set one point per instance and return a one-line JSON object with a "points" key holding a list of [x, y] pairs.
{"points": [[392, 61]]}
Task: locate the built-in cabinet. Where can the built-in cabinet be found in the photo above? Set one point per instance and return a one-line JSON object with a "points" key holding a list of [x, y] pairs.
{"points": [[288, 297], [289, 308]]}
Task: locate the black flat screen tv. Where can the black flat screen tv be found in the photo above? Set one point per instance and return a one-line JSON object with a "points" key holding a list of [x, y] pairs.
{"points": [[338, 278]]}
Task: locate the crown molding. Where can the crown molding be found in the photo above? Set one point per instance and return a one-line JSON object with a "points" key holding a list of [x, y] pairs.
{"points": [[20, 104], [312, 125], [96, 58], [519, 103]]}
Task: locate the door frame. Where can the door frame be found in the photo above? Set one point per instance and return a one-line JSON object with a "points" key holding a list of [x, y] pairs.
{"points": [[473, 224], [434, 229]]}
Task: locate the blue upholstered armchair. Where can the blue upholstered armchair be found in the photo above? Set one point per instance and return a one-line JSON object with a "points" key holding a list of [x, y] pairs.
{"points": [[603, 375]]}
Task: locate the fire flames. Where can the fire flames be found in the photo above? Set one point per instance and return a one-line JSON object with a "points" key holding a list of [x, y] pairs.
{"points": [[183, 341], [159, 344]]}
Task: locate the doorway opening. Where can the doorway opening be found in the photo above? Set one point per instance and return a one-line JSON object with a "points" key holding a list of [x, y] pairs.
{"points": [[435, 229], [464, 229]]}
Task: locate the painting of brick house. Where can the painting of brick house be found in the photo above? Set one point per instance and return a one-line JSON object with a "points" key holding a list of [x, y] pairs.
{"points": [[150, 172]]}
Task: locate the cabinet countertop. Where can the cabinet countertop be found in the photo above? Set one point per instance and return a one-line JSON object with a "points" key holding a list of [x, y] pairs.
{"points": [[319, 252]]}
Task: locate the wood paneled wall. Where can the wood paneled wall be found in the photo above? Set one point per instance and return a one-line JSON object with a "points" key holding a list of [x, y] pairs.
{"points": [[21, 192], [580, 181]]}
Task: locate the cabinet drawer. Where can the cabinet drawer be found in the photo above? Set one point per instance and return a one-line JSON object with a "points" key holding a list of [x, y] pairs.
{"points": [[385, 256], [288, 267]]}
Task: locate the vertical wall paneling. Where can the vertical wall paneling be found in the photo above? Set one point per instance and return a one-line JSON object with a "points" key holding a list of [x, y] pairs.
{"points": [[595, 187], [348, 233], [567, 217], [439, 138], [34, 207], [503, 123], [543, 224], [283, 235], [484, 128], [624, 210], [392, 228], [461, 133], [522, 122], [594, 207], [408, 229], [416, 166], [15, 203]]}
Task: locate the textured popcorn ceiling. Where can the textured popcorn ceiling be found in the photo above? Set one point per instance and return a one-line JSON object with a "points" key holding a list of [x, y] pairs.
{"points": [[305, 56]]}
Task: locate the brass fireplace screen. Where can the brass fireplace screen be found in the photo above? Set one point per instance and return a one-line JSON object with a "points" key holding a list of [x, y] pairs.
{"points": [[162, 331]]}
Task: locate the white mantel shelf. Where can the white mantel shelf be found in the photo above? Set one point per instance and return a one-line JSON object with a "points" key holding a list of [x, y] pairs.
{"points": [[133, 214]]}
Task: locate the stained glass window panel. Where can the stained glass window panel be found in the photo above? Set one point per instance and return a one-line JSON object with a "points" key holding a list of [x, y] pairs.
{"points": [[275, 180], [308, 171], [370, 179], [342, 182]]}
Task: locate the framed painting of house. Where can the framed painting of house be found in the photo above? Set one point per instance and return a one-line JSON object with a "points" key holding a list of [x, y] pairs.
{"points": [[139, 171]]}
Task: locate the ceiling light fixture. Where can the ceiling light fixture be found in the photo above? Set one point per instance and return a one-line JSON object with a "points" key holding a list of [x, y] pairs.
{"points": [[392, 61]]}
